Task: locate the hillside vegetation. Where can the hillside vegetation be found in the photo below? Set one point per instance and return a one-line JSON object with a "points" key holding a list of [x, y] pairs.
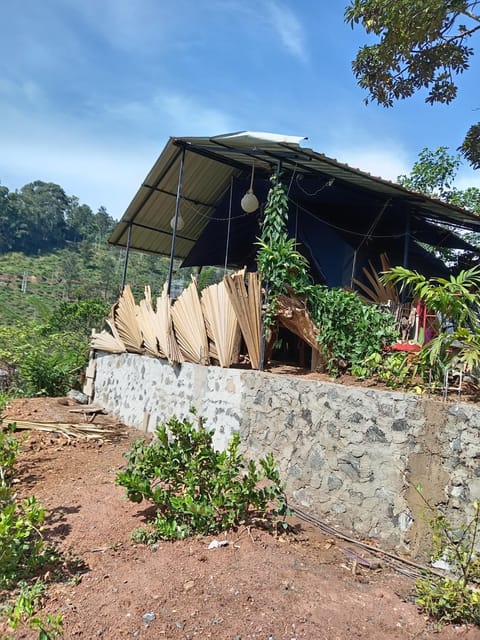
{"points": [[58, 279]]}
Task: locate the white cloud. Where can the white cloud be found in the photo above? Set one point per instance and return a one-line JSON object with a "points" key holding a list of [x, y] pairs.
{"points": [[288, 27], [129, 25], [382, 162], [192, 118], [97, 173]]}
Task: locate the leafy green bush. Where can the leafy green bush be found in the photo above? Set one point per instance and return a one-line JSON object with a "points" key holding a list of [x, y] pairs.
{"points": [[448, 600], [46, 364], [457, 598], [350, 329], [197, 489], [23, 551], [22, 547], [455, 301], [24, 611], [81, 317], [398, 370]]}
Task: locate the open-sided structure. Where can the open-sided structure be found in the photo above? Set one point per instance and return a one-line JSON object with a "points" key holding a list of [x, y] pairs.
{"points": [[189, 207]]}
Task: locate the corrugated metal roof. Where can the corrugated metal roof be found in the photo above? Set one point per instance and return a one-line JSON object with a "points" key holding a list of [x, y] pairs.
{"points": [[210, 164]]}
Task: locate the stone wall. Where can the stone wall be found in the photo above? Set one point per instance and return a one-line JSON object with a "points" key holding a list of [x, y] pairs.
{"points": [[345, 452]]}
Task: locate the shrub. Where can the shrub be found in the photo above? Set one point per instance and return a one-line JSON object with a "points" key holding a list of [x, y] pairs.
{"points": [[454, 598], [23, 552], [350, 329], [22, 548], [45, 364], [195, 488]]}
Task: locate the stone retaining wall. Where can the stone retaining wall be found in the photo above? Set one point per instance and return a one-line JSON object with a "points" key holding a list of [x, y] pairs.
{"points": [[345, 452]]}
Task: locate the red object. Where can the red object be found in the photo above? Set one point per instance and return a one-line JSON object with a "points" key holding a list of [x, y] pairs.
{"points": [[403, 346]]}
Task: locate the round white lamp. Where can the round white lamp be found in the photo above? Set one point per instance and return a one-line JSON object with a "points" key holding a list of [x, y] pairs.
{"points": [[249, 202], [180, 223]]}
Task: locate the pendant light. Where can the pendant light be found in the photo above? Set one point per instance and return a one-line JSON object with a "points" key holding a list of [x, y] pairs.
{"points": [[249, 202], [180, 223]]}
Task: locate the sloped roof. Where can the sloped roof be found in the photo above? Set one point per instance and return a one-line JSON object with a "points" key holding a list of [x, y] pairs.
{"points": [[211, 163]]}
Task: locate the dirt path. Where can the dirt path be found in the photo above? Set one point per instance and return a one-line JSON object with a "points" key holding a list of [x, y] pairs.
{"points": [[257, 587]]}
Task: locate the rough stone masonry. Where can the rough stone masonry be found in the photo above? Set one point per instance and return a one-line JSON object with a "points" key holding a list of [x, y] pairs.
{"points": [[351, 456]]}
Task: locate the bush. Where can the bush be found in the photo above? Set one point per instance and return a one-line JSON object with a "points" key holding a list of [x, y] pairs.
{"points": [[454, 598], [45, 364], [350, 329], [23, 549], [197, 489], [24, 554]]}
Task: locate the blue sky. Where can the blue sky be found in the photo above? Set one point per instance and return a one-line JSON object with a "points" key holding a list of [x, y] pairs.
{"points": [[90, 90]]}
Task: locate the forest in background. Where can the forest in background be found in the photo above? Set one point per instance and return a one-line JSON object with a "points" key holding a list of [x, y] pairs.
{"points": [[54, 249], [58, 280]]}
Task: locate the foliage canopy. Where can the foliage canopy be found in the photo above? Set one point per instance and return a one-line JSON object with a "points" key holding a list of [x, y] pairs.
{"points": [[434, 174], [422, 44]]}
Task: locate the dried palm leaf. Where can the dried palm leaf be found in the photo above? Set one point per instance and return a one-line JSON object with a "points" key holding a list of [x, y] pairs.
{"points": [[149, 326], [247, 307], [166, 337], [125, 320], [293, 314], [378, 291], [221, 322], [189, 325], [105, 341]]}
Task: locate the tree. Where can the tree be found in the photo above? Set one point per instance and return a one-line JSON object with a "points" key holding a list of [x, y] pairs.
{"points": [[434, 175], [423, 44], [44, 205]]}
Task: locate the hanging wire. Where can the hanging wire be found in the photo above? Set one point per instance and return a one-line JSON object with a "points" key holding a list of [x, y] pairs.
{"points": [[291, 179], [337, 228], [329, 183], [304, 210]]}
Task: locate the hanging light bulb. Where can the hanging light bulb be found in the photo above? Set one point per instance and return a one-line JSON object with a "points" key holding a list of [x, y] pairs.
{"points": [[249, 202], [180, 223]]}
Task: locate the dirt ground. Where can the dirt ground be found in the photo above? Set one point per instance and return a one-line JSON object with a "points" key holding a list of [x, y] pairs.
{"points": [[258, 587]]}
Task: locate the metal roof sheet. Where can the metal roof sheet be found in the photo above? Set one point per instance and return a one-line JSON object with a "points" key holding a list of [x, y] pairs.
{"points": [[212, 162]]}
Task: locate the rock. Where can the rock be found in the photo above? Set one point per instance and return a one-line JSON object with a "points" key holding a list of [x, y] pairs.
{"points": [[149, 617], [215, 544], [78, 396]]}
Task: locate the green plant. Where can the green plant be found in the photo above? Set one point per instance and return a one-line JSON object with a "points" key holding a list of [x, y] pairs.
{"points": [[398, 370], [455, 301], [350, 329], [453, 598], [23, 551], [195, 488], [22, 547], [279, 263], [24, 609], [45, 363]]}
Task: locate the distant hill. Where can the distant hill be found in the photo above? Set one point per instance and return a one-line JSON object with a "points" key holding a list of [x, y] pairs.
{"points": [[52, 249]]}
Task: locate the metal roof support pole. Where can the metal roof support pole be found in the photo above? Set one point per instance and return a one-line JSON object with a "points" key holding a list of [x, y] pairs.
{"points": [[228, 226], [406, 241], [125, 265], [406, 246], [175, 223]]}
